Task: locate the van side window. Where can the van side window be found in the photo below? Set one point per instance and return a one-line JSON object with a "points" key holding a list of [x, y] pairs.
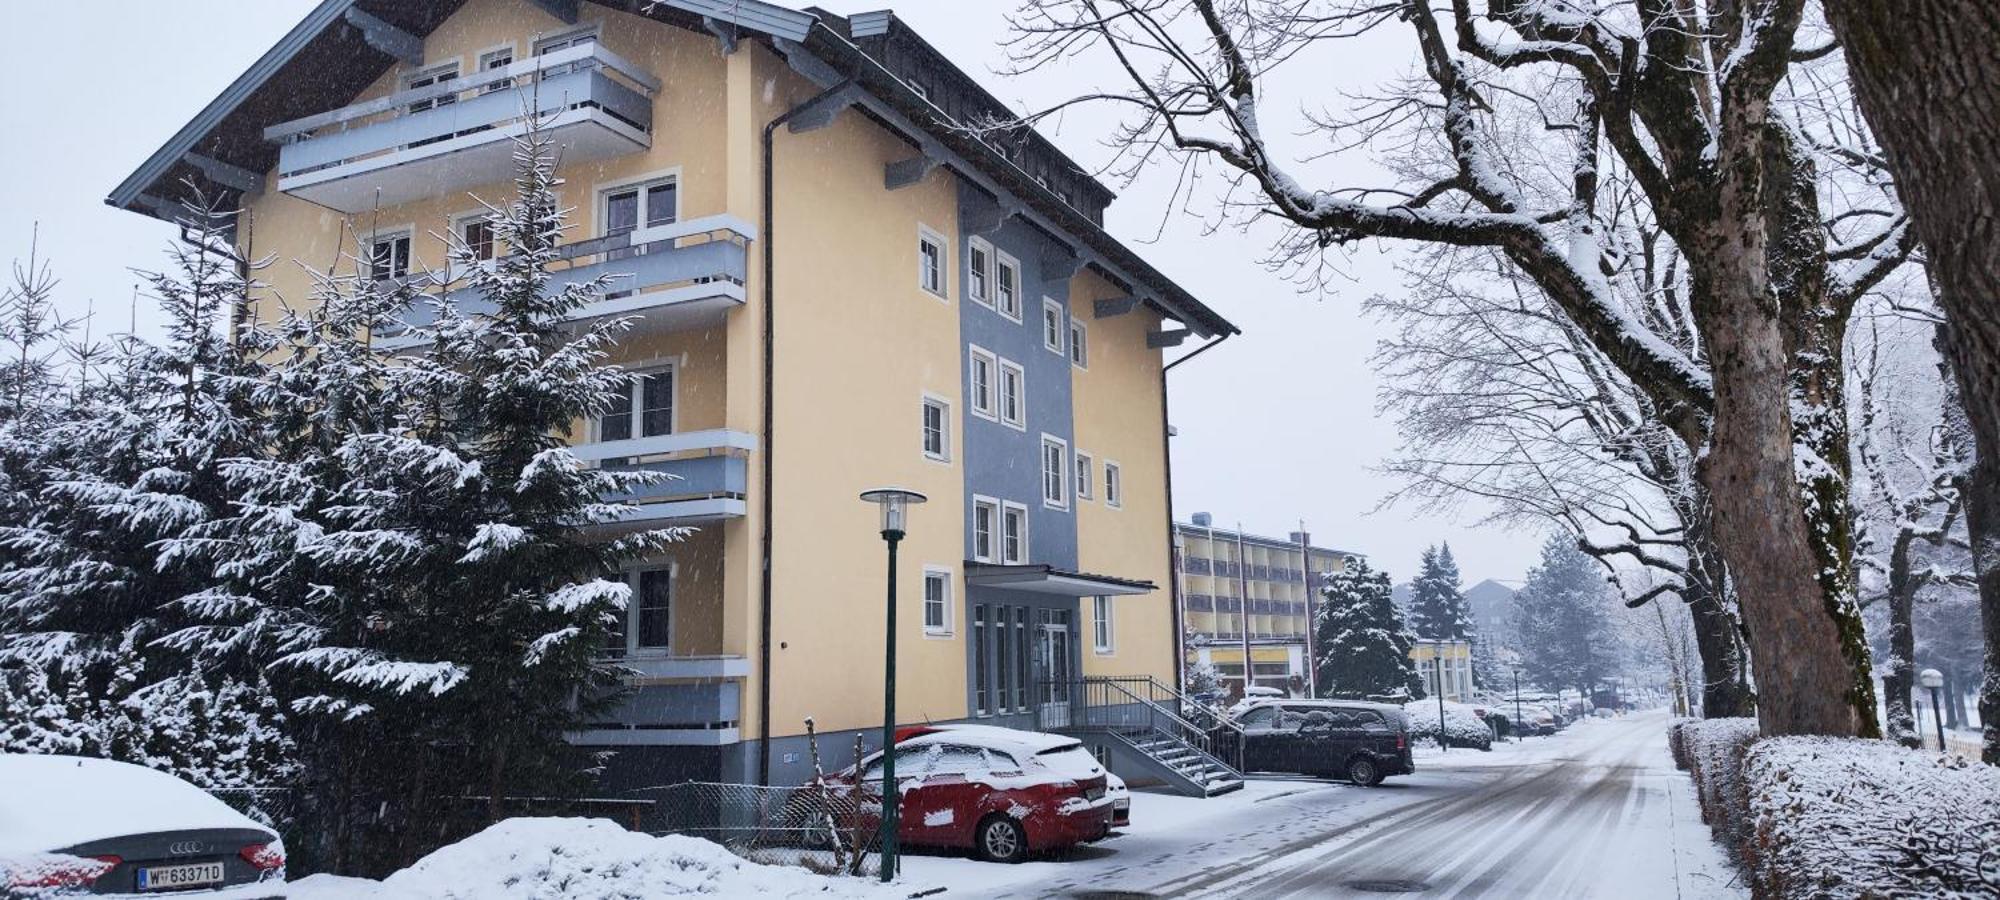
{"points": [[1261, 717]]}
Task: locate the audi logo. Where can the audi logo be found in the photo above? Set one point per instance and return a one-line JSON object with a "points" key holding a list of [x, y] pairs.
{"points": [[187, 848]]}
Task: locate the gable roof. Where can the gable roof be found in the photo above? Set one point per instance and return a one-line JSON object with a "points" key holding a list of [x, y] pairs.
{"points": [[327, 59]]}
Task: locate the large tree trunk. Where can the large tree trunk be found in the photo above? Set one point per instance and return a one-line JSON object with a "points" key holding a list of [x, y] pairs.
{"points": [[1927, 74], [1811, 662], [1718, 635]]}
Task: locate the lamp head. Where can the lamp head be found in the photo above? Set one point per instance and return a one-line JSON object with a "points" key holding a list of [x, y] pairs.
{"points": [[895, 503], [1930, 678]]}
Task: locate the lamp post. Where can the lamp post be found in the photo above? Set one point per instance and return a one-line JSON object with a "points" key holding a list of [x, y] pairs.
{"points": [[895, 503], [1934, 679], [1437, 680]]}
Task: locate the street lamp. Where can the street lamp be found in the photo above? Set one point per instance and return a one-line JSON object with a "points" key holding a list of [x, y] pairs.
{"points": [[895, 503], [1934, 679], [1437, 680]]}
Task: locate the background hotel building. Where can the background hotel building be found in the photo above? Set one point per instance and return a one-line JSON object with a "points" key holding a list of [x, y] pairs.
{"points": [[836, 288], [1279, 579]]}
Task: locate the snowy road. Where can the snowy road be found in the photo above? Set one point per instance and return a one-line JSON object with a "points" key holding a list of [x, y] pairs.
{"points": [[1598, 811]]}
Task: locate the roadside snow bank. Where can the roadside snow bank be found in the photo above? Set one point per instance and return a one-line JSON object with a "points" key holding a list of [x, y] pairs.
{"points": [[1840, 817], [1461, 726], [581, 859]]}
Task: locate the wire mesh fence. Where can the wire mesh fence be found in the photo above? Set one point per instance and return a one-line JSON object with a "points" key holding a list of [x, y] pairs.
{"points": [[829, 828]]}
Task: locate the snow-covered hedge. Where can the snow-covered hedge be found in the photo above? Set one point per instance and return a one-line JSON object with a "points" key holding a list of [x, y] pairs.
{"points": [[579, 858], [1714, 750], [1837, 817], [1461, 726], [1677, 744]]}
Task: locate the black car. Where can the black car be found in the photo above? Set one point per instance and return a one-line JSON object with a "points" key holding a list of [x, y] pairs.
{"points": [[1361, 742]]}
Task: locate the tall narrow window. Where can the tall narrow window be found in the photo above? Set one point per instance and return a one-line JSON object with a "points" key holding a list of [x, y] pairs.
{"points": [[1085, 477], [981, 687], [1003, 651], [930, 261], [1052, 325], [1100, 624], [389, 256], [985, 519], [645, 407], [1007, 288], [937, 601], [1021, 658], [979, 271], [1114, 485], [937, 429], [1013, 534], [1013, 399], [653, 597], [1055, 472], [981, 378], [1079, 353]]}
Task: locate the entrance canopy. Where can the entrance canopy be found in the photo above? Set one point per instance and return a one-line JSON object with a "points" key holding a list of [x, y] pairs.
{"points": [[1046, 579]]}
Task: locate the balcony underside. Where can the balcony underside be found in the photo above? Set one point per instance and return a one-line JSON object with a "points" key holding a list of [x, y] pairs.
{"points": [[452, 166]]}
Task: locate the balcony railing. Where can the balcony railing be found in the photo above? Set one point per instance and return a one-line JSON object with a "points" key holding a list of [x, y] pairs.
{"points": [[709, 475], [700, 706], [682, 274], [443, 138]]}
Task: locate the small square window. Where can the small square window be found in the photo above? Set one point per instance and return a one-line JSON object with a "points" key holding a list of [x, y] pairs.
{"points": [[982, 382], [1053, 329], [1013, 534], [930, 261], [475, 234], [1079, 353], [1013, 394], [643, 407], [937, 601], [937, 429], [389, 256], [1114, 487]]}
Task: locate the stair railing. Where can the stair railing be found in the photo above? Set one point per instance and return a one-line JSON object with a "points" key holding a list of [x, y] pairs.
{"points": [[1141, 704]]}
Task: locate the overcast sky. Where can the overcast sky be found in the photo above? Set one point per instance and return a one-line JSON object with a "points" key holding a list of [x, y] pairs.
{"points": [[1276, 426]]}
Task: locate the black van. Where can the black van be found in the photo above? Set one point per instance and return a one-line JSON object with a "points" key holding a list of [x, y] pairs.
{"points": [[1361, 742]]}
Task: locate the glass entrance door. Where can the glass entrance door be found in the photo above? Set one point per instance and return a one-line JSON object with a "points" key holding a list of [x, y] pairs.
{"points": [[1053, 675]]}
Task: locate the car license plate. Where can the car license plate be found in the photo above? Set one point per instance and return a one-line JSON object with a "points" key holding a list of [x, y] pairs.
{"points": [[166, 878]]}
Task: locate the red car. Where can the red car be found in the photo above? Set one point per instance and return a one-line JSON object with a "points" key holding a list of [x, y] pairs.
{"points": [[1001, 793]]}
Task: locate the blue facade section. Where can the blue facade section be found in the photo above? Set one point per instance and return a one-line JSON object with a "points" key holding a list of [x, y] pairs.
{"points": [[1001, 461]]}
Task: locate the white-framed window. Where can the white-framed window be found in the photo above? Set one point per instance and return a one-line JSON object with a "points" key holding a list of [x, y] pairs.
{"points": [[430, 75], [1114, 485], [980, 678], [985, 528], [1052, 325], [1007, 287], [1055, 472], [646, 624], [388, 254], [644, 408], [1100, 624], [563, 40], [979, 271], [474, 232], [931, 261], [982, 376], [497, 58], [937, 600], [1079, 349], [1013, 533], [641, 204], [937, 428], [1086, 476], [1013, 394]]}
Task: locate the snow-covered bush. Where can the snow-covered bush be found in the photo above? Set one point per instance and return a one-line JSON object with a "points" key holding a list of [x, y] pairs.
{"points": [[1677, 743], [1839, 817], [580, 858], [1462, 728], [1714, 749]]}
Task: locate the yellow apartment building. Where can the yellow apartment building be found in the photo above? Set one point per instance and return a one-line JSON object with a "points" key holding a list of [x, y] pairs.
{"points": [[836, 287], [1250, 594]]}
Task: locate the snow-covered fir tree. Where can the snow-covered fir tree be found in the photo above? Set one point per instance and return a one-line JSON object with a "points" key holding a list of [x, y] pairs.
{"points": [[1437, 605], [1363, 647], [1562, 620]]}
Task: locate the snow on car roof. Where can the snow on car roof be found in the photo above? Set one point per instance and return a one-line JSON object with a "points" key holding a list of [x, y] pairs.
{"points": [[53, 802], [1000, 738]]}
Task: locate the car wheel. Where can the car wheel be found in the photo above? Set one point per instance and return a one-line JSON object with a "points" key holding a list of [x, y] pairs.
{"points": [[1000, 839], [1363, 771]]}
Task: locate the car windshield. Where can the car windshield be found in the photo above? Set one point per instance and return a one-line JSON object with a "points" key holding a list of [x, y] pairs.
{"points": [[1071, 761]]}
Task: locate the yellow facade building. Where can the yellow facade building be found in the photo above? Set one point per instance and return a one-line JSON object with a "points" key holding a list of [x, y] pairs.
{"points": [[835, 286], [1247, 593]]}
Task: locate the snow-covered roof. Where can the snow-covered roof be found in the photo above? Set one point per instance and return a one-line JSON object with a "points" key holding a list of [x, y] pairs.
{"points": [[53, 802]]}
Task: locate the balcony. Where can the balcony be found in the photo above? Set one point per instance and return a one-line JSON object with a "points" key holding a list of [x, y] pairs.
{"points": [[709, 480], [675, 701], [442, 139], [674, 276]]}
